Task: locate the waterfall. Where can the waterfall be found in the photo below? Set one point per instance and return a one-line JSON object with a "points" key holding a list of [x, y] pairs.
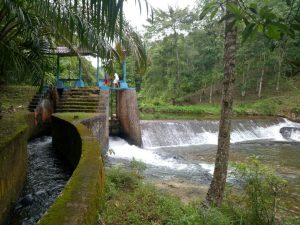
{"points": [[157, 134], [165, 144]]}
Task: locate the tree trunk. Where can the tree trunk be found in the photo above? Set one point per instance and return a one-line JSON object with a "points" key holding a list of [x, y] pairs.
{"points": [[243, 85], [245, 81], [200, 100], [216, 190], [261, 77], [210, 93], [279, 70]]}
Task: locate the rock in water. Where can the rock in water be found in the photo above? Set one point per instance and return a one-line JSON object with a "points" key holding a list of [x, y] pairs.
{"points": [[287, 131]]}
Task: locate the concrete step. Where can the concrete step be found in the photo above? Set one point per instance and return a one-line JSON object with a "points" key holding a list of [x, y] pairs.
{"points": [[94, 104], [71, 104], [78, 110], [96, 97], [33, 104], [81, 107], [31, 109], [35, 101], [85, 89], [75, 94]]}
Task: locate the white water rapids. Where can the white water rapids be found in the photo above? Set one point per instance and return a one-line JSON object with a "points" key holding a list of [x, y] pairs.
{"points": [[157, 135]]}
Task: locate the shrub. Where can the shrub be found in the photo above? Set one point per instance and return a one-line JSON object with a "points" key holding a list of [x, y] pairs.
{"points": [[257, 199], [143, 204], [266, 107]]}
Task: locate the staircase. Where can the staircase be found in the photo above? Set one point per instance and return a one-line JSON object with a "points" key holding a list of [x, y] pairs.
{"points": [[36, 99], [81, 100]]}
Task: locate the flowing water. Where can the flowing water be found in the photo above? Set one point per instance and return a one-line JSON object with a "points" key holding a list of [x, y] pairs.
{"points": [[184, 150], [47, 175]]}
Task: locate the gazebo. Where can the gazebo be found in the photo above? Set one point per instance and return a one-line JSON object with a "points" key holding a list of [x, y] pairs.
{"points": [[62, 51]]}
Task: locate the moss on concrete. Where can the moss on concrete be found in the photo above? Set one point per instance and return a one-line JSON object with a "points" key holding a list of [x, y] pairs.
{"points": [[13, 110], [10, 126], [75, 117], [17, 97], [16, 125], [79, 202], [13, 166]]}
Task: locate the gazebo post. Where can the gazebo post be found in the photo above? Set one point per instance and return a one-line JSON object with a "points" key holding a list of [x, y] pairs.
{"points": [[59, 83], [79, 83], [80, 69], [58, 68], [123, 83], [124, 66], [97, 70]]}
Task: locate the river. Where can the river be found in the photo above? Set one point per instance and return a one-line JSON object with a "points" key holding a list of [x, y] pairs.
{"points": [[180, 154]]}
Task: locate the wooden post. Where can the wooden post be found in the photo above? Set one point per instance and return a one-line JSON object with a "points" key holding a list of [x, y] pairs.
{"points": [[97, 69], [58, 68]]}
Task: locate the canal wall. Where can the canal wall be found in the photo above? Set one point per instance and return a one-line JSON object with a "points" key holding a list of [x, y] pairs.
{"points": [[13, 165], [128, 116], [79, 201], [13, 159]]}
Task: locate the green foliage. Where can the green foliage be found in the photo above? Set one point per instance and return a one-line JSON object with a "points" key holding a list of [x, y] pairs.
{"points": [[254, 200], [185, 109], [257, 200], [266, 107], [137, 166], [129, 200], [200, 51]]}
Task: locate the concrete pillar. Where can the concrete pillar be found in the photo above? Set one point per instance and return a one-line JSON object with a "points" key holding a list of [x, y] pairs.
{"points": [[99, 125], [104, 96], [128, 115]]}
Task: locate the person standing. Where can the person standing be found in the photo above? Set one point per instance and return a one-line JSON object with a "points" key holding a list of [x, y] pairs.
{"points": [[106, 80], [116, 81]]}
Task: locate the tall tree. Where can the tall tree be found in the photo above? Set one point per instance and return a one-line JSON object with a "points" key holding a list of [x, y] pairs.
{"points": [[170, 23], [215, 192]]}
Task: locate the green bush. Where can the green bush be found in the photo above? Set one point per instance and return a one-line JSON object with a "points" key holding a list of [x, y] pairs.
{"points": [[266, 107], [143, 204], [137, 166], [253, 200], [256, 202]]}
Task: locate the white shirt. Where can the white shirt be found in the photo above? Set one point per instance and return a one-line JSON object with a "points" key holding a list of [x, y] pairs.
{"points": [[116, 80]]}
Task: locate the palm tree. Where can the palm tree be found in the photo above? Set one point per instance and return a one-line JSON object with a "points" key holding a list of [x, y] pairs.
{"points": [[29, 28]]}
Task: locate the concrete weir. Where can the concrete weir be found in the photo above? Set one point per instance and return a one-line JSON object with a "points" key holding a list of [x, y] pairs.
{"points": [[128, 116]]}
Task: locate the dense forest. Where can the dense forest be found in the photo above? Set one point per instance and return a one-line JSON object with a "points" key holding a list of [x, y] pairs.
{"points": [[186, 55]]}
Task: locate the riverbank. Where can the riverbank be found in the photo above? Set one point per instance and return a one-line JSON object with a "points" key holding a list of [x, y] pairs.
{"points": [[284, 106], [129, 199]]}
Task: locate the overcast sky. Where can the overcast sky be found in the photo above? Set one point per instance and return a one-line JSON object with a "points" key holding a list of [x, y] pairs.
{"points": [[137, 19]]}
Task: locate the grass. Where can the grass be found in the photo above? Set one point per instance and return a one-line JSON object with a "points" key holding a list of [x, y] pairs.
{"points": [[17, 97], [131, 200], [13, 110], [204, 109], [271, 106]]}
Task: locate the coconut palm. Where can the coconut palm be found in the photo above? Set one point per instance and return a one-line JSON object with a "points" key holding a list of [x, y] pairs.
{"points": [[30, 28]]}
